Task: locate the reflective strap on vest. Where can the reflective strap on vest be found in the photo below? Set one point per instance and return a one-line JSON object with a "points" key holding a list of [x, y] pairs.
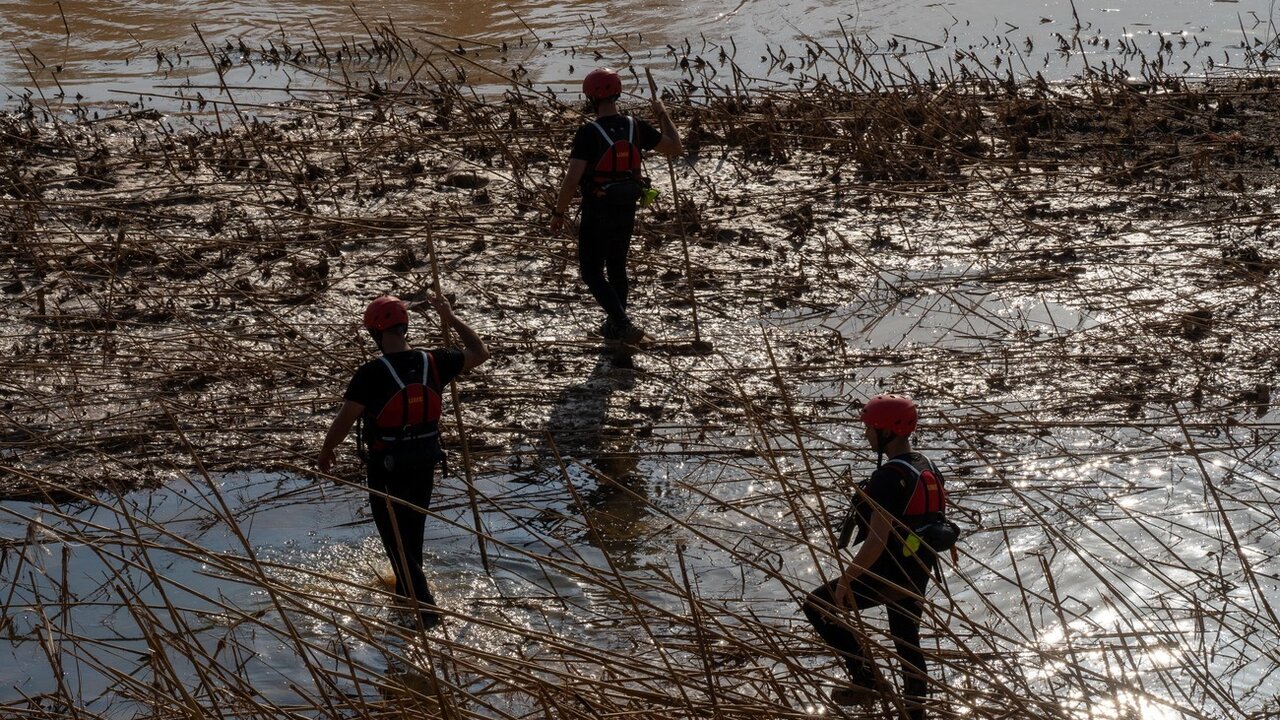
{"points": [[915, 471], [394, 375], [631, 131], [420, 436], [608, 140], [426, 365]]}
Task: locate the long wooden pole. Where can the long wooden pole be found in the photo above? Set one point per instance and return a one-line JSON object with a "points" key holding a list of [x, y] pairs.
{"points": [[457, 416], [684, 239]]}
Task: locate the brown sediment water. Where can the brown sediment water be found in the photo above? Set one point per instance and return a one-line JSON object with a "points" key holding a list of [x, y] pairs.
{"points": [[1076, 281], [120, 52]]}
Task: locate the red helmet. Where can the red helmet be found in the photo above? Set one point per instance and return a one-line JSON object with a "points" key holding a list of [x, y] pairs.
{"points": [[385, 312], [893, 413], [602, 84]]}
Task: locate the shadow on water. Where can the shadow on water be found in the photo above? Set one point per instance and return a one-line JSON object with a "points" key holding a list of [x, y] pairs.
{"points": [[602, 456]]}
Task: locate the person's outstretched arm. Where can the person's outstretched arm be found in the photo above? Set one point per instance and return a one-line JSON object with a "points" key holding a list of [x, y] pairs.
{"points": [[474, 350]]}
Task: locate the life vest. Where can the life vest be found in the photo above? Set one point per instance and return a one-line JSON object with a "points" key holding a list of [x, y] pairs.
{"points": [[927, 505], [621, 159], [925, 515], [928, 499], [413, 412]]}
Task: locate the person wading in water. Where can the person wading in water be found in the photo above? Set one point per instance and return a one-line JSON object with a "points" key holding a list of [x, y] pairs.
{"points": [[397, 398], [605, 163], [899, 516]]}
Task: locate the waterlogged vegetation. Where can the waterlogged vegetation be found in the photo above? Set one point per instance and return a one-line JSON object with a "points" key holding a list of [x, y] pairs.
{"points": [[1075, 280]]}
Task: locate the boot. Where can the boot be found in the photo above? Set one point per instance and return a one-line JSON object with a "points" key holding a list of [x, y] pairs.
{"points": [[632, 335], [860, 690], [609, 330]]}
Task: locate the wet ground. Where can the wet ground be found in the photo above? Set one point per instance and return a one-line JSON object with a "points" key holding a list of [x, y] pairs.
{"points": [[1076, 283]]}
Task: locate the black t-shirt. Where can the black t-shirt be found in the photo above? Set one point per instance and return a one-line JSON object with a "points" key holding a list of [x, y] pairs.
{"points": [[372, 385], [891, 487], [590, 145]]}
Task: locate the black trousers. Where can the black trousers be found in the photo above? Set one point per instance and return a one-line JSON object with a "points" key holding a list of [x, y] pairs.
{"points": [[402, 528], [604, 239], [833, 624]]}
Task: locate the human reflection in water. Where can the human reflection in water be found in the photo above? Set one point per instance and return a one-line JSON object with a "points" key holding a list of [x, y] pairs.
{"points": [[410, 684], [579, 425]]}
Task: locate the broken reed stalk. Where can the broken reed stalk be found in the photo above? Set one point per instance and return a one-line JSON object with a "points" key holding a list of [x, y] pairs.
{"points": [[704, 651]]}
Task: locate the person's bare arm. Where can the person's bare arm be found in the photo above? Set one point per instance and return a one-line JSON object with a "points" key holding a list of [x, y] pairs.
{"points": [[474, 350], [568, 187], [670, 144], [338, 430]]}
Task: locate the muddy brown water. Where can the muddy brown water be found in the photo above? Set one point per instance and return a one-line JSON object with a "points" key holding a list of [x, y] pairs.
{"points": [[123, 51]]}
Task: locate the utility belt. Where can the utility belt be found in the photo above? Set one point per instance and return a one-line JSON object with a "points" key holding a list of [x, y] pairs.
{"points": [[932, 531], [406, 452], [625, 190]]}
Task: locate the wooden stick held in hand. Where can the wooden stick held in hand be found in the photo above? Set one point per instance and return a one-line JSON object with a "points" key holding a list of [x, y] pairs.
{"points": [[698, 343]]}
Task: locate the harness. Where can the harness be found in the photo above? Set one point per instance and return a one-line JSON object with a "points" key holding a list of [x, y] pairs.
{"points": [[417, 413], [928, 501]]}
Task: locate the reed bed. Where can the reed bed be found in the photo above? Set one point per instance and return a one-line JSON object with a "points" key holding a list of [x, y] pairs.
{"points": [[1075, 280]]}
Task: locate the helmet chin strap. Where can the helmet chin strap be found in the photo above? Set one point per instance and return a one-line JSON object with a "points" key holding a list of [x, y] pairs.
{"points": [[882, 438]]}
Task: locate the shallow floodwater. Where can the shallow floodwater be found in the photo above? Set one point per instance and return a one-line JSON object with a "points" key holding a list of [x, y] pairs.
{"points": [[1077, 539], [148, 51]]}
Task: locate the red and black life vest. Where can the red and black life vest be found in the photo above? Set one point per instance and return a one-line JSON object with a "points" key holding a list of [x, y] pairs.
{"points": [[621, 160], [928, 500], [413, 412], [927, 504]]}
